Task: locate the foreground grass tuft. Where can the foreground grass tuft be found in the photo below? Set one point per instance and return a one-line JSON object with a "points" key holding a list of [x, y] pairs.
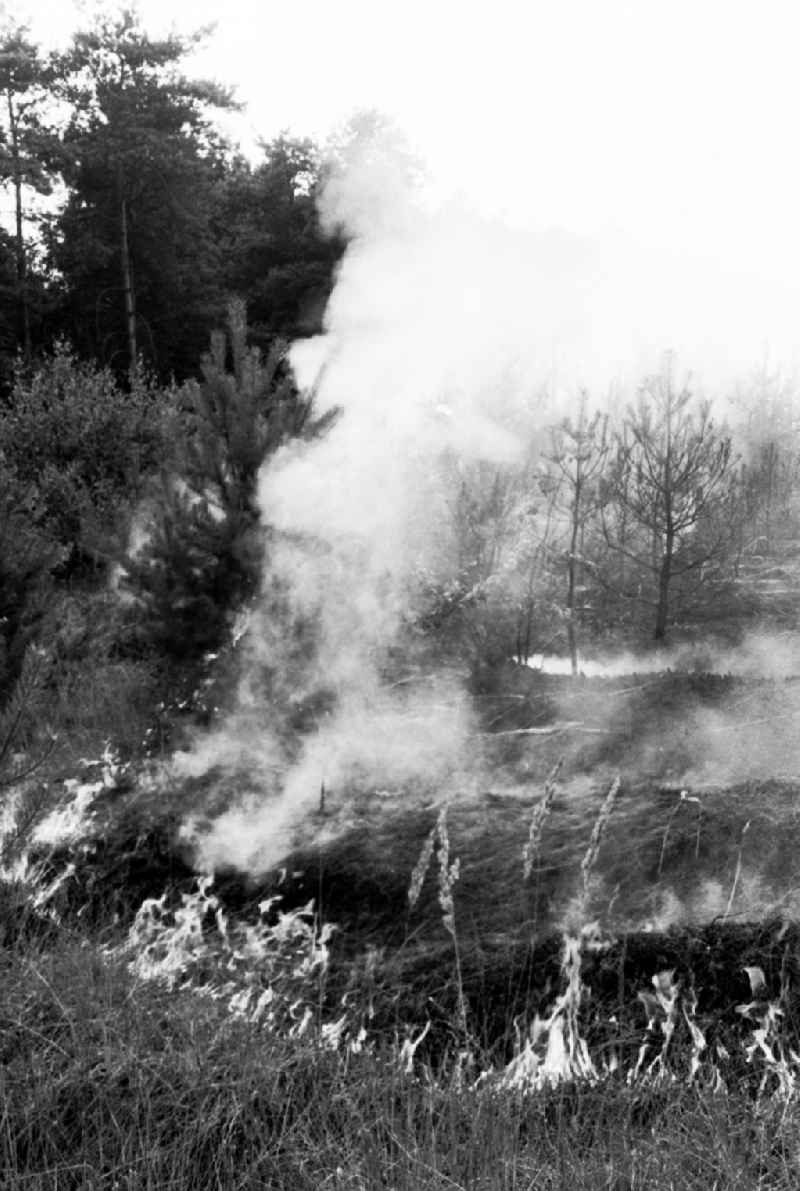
{"points": [[107, 1081]]}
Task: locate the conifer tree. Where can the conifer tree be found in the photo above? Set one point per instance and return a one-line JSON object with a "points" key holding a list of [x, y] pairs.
{"points": [[672, 478], [575, 463], [140, 156], [27, 167], [204, 548]]}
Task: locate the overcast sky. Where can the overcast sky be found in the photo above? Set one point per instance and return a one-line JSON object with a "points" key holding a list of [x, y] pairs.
{"points": [[676, 123]]}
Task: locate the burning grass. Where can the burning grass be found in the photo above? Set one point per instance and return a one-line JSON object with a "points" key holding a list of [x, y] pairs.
{"points": [[108, 1081], [121, 1070], [492, 990]]}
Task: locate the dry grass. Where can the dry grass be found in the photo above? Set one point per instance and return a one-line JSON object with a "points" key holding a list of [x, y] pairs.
{"points": [[109, 1081], [444, 1036]]}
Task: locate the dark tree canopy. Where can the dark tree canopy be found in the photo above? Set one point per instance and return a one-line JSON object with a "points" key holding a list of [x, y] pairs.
{"points": [[275, 252], [134, 245], [28, 152], [162, 220]]}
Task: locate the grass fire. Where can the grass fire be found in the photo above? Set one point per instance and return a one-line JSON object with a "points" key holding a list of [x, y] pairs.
{"points": [[399, 676]]}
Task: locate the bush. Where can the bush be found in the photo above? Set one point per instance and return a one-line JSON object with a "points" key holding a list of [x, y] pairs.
{"points": [[98, 693], [81, 446], [28, 557]]}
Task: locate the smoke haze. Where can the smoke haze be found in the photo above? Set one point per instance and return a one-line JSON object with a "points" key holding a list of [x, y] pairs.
{"points": [[449, 336]]}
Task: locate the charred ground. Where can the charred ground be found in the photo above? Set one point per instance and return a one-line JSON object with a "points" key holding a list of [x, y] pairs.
{"points": [[692, 875]]}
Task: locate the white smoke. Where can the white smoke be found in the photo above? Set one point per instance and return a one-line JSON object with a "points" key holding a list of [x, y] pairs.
{"points": [[449, 336], [405, 741]]}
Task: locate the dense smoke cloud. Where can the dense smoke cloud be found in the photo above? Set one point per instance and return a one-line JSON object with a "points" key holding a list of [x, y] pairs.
{"points": [[448, 336]]}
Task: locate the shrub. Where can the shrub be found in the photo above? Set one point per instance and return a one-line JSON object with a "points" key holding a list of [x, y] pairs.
{"points": [[81, 446], [28, 557]]}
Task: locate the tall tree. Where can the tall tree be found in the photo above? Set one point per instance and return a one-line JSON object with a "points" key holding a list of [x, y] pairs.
{"points": [[134, 243], [576, 460], [671, 476], [26, 153], [276, 254]]}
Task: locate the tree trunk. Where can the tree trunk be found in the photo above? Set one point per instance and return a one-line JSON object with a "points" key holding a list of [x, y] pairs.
{"points": [[664, 576], [665, 571], [21, 259], [571, 566], [771, 462], [127, 286]]}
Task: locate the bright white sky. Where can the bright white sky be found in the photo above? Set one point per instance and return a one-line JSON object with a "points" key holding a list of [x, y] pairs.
{"points": [[586, 112], [675, 121]]}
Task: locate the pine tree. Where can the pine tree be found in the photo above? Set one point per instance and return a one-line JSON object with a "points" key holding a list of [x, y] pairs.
{"points": [[204, 549], [575, 463], [134, 244], [274, 249], [672, 479], [27, 167]]}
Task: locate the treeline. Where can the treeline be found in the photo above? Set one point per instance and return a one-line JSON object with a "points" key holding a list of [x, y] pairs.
{"points": [[134, 220], [151, 277], [631, 524], [144, 322]]}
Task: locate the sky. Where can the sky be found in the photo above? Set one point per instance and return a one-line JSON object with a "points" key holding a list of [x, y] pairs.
{"points": [[594, 114], [667, 128]]}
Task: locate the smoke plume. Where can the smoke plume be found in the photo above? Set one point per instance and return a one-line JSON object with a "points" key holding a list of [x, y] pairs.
{"points": [[449, 338]]}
